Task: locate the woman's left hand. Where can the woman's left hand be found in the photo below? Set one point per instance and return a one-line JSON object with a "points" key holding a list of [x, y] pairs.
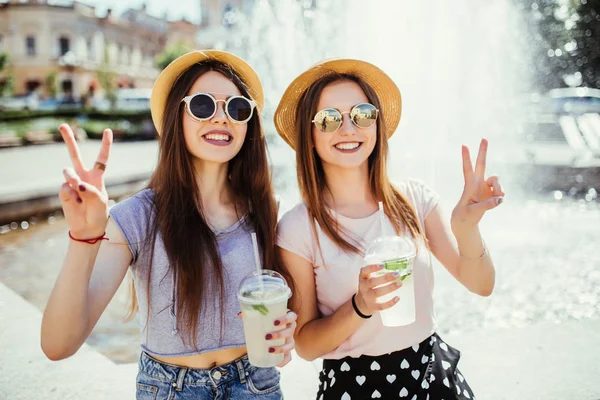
{"points": [[287, 333], [479, 194]]}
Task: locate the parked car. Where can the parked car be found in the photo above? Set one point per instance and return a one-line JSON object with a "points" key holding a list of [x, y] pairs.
{"points": [[562, 140], [580, 100], [126, 100], [26, 102]]}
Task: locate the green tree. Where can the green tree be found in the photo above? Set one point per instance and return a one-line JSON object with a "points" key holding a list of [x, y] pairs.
{"points": [[50, 84], [7, 78], [107, 78], [171, 52], [564, 39]]}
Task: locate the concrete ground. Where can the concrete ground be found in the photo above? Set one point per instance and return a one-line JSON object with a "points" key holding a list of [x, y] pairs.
{"points": [[542, 362]]}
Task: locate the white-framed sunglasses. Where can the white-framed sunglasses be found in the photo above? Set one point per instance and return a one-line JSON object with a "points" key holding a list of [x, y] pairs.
{"points": [[203, 106]]}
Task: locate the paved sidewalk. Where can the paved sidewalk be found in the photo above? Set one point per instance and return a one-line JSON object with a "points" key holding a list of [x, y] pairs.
{"points": [[542, 362]]}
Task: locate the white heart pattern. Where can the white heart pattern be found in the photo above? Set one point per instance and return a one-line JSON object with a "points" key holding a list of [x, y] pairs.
{"points": [[404, 364], [375, 366], [433, 357], [332, 382], [321, 397], [376, 395], [457, 390], [414, 397], [444, 346], [391, 378], [346, 396], [424, 359], [445, 364], [331, 374], [466, 394], [425, 384], [324, 385], [431, 378], [415, 347], [404, 392], [345, 367], [415, 374], [446, 382], [462, 379], [361, 379]]}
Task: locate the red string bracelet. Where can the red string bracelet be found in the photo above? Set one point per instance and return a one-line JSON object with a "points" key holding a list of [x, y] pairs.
{"points": [[89, 241]]}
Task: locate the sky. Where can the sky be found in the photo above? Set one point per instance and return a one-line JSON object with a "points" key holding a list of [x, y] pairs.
{"points": [[176, 9]]}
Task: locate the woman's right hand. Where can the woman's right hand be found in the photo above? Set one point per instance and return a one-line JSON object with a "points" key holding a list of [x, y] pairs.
{"points": [[83, 196], [370, 289]]}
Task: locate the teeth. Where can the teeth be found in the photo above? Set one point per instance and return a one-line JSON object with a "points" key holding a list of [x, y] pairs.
{"points": [[347, 146], [214, 136]]}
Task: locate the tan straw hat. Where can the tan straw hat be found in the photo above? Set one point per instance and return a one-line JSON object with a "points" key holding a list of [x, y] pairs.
{"points": [[166, 79], [387, 91]]}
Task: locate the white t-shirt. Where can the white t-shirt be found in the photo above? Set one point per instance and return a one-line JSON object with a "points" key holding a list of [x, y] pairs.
{"points": [[336, 273]]}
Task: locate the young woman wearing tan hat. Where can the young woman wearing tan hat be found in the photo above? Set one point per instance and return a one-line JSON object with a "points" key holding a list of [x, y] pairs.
{"points": [[186, 238], [338, 116]]}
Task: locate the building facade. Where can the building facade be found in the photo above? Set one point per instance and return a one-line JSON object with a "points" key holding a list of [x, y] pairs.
{"points": [[70, 44]]}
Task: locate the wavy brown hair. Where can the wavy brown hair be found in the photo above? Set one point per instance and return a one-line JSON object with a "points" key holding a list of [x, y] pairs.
{"points": [[178, 216], [311, 176]]}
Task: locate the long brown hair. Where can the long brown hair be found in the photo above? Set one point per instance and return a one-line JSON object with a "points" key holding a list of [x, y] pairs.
{"points": [[178, 216], [311, 176]]}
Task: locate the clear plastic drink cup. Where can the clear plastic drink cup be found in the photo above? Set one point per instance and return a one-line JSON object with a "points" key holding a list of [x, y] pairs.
{"points": [[263, 298], [397, 254]]}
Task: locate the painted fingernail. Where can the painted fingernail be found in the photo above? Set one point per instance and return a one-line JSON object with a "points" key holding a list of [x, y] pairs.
{"points": [[239, 314], [277, 322], [268, 336], [271, 350], [396, 274], [500, 200], [79, 200], [82, 188]]}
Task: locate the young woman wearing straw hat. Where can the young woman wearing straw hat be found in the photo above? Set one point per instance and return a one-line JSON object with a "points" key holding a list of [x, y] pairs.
{"points": [[338, 116], [186, 238]]}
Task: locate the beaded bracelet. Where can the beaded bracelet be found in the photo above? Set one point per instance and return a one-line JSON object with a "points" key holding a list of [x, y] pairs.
{"points": [[485, 252]]}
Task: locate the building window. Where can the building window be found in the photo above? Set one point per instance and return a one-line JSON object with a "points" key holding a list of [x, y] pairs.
{"points": [[30, 43], [32, 85], [64, 44], [67, 86]]}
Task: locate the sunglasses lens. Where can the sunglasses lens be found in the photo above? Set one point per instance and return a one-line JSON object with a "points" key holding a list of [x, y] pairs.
{"points": [[239, 109], [364, 115], [328, 120], [202, 106]]}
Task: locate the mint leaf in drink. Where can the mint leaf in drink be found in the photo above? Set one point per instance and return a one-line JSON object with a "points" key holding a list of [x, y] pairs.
{"points": [[397, 264], [261, 308]]}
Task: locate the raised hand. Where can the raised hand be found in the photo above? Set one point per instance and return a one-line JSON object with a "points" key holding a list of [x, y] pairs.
{"points": [[83, 196], [480, 194]]}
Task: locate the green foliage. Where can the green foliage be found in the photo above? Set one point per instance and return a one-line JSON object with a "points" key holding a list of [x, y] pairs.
{"points": [[50, 84], [171, 52], [564, 39]]}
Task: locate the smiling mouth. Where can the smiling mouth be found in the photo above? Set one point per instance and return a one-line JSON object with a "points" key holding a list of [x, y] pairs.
{"points": [[218, 139], [348, 147]]}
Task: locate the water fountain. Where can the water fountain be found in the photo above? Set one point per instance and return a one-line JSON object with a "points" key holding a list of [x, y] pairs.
{"points": [[460, 66]]}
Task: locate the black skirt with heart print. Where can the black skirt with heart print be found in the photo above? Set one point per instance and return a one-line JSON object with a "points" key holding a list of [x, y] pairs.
{"points": [[427, 371]]}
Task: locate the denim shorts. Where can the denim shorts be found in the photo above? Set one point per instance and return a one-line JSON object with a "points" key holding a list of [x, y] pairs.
{"points": [[237, 380]]}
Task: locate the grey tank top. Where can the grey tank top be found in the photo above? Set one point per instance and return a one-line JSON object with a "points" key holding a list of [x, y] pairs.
{"points": [[159, 333]]}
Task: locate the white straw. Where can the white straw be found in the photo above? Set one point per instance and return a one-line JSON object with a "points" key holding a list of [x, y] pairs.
{"points": [[257, 260], [382, 218]]}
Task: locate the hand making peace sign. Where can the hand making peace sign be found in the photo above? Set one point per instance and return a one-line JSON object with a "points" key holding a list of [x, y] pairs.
{"points": [[479, 194], [83, 197]]}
